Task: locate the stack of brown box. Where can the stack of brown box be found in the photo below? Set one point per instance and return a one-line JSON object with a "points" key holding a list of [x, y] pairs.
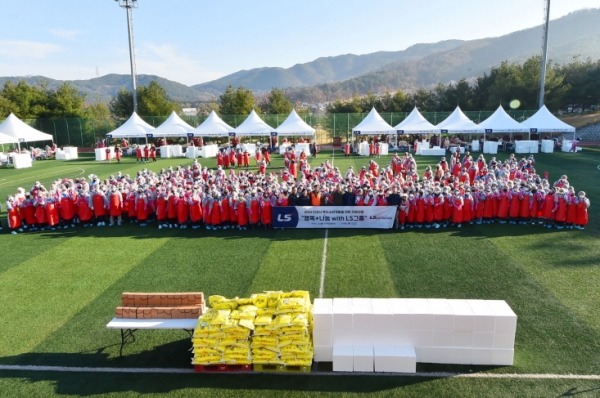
{"points": [[161, 305]]}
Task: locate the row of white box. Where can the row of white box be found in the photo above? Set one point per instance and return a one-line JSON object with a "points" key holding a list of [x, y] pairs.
{"points": [[440, 355], [420, 338], [363, 358], [481, 316]]}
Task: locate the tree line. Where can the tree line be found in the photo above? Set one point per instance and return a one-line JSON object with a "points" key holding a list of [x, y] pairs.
{"points": [[568, 86]]}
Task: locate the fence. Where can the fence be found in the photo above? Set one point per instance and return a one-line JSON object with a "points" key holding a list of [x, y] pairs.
{"points": [[85, 132]]}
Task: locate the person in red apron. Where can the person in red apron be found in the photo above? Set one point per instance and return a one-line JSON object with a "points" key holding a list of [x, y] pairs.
{"points": [[115, 206], [582, 203], [118, 153], [146, 153], [153, 153], [560, 208], [14, 219]]}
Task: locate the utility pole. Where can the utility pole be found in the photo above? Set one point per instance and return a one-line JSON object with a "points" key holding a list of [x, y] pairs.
{"points": [[129, 5], [544, 53]]}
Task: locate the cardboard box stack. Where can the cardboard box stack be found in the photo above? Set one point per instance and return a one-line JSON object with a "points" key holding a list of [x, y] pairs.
{"points": [[400, 332], [161, 305], [270, 328]]}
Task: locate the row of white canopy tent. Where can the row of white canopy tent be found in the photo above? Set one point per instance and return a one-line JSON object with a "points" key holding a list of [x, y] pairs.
{"points": [[14, 131], [213, 126], [458, 123]]}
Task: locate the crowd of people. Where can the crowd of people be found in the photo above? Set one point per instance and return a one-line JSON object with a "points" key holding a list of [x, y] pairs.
{"points": [[453, 193]]}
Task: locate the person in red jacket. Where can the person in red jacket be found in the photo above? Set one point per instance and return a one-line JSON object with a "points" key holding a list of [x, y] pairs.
{"points": [[571, 208], [183, 210], [514, 205], [503, 206], [141, 207], [161, 209], [253, 208], [347, 150], [138, 154], [266, 211], [241, 212], [246, 158], [232, 158], [468, 207], [84, 206], [582, 203]]}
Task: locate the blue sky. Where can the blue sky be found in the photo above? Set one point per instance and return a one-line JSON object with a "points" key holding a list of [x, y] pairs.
{"points": [[194, 41]]}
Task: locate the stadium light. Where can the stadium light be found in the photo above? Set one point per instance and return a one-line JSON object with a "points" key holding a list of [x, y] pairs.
{"points": [[128, 5], [544, 52]]}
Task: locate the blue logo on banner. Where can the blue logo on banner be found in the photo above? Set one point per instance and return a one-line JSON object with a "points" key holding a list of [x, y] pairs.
{"points": [[285, 217], [356, 132], [149, 135], [488, 130], [444, 131], [109, 136], [533, 130], [399, 131], [273, 133], [232, 134], [190, 135]]}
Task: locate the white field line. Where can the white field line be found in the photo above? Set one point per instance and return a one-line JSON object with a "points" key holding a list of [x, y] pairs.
{"points": [[323, 265], [69, 369], [37, 176]]}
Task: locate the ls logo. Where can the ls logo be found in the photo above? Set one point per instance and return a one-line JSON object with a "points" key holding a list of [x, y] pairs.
{"points": [[284, 217]]}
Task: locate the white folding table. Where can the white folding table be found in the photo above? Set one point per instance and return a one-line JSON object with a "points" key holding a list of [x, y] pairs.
{"points": [[129, 326]]}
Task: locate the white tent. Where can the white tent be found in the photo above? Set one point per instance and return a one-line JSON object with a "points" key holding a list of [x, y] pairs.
{"points": [[7, 139], [459, 123], [294, 126], [373, 124], [542, 121], [134, 127], [254, 125], [174, 126], [501, 122], [213, 126], [16, 128], [415, 123]]}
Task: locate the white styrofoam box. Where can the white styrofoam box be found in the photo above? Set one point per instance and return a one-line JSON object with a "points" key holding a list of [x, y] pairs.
{"points": [[362, 317], [343, 358], [342, 302], [422, 318], [462, 339], [504, 341], [423, 354], [353, 337], [485, 319], [323, 314], [442, 338], [323, 353], [422, 338], [483, 340], [323, 303], [361, 302], [506, 319], [503, 357], [482, 356], [461, 356], [381, 303], [323, 337], [383, 318], [384, 359], [464, 318], [397, 359], [443, 316], [403, 316], [363, 358], [441, 355], [342, 317]]}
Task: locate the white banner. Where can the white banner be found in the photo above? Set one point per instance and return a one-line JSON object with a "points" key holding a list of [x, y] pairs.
{"points": [[381, 217]]}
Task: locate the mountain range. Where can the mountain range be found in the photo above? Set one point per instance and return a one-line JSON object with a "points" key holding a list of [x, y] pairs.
{"points": [[421, 65]]}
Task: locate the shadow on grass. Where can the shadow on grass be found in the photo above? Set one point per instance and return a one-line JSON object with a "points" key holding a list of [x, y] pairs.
{"points": [[85, 384]]}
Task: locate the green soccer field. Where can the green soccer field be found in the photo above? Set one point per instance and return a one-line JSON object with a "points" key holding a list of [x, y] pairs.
{"points": [[58, 289]]}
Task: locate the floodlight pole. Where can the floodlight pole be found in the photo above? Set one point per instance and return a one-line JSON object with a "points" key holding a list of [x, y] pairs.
{"points": [[544, 54], [128, 5]]}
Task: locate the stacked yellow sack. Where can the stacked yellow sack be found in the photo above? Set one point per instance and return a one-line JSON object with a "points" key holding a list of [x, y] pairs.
{"points": [[222, 335], [282, 329]]}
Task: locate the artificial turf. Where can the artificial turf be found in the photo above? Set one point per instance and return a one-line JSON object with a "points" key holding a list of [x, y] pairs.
{"points": [[58, 290]]}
